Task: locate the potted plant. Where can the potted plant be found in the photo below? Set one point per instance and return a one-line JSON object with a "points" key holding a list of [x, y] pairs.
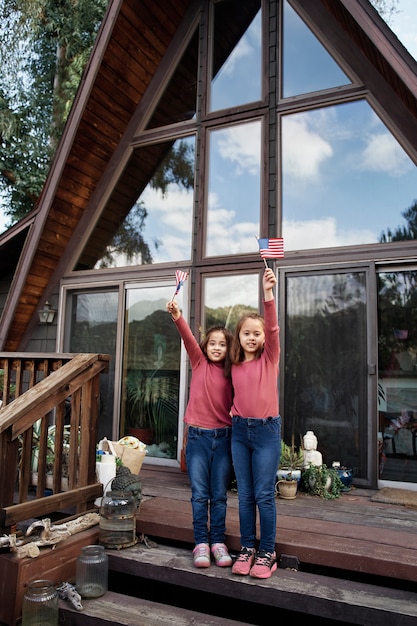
{"points": [[138, 418], [289, 470], [323, 481], [291, 460]]}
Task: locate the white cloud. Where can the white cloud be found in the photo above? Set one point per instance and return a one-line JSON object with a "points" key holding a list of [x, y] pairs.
{"points": [[383, 154], [322, 233], [303, 149], [241, 145]]}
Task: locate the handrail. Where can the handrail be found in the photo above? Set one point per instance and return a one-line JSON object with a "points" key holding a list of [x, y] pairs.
{"points": [[55, 415]]}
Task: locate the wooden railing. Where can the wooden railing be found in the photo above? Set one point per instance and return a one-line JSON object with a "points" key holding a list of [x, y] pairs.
{"points": [[48, 423]]}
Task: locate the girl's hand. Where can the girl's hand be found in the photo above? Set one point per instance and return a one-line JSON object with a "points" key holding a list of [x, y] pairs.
{"points": [[172, 307], [269, 281]]}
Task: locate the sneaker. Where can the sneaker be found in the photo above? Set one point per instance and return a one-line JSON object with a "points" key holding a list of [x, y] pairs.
{"points": [[201, 554], [221, 555], [265, 564], [244, 561]]}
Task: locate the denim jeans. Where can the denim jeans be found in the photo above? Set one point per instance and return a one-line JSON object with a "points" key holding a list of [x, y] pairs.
{"points": [[209, 464], [256, 449]]}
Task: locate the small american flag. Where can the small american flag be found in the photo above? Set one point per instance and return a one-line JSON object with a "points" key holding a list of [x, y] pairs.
{"points": [[181, 277], [271, 248], [400, 333]]}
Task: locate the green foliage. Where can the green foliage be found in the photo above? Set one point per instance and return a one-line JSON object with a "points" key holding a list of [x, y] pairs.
{"points": [[44, 47], [315, 479], [403, 233], [291, 457]]}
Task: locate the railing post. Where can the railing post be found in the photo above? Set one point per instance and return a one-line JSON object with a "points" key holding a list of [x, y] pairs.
{"points": [[8, 459]]}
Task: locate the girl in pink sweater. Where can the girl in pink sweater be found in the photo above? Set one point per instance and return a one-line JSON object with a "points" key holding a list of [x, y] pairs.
{"points": [[256, 432], [208, 448]]}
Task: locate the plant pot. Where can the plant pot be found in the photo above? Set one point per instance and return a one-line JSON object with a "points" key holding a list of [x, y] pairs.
{"points": [[145, 435], [312, 483], [282, 474], [346, 476], [287, 489]]}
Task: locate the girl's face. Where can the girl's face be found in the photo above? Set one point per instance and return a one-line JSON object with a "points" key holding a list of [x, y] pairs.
{"points": [[216, 347], [251, 337]]}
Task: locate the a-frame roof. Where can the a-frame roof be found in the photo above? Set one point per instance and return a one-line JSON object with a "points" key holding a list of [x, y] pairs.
{"points": [[135, 53]]}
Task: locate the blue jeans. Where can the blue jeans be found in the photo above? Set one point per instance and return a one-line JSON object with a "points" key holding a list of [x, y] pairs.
{"points": [[256, 449], [209, 464]]}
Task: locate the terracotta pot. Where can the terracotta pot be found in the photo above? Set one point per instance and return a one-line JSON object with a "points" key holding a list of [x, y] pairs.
{"points": [[145, 435]]}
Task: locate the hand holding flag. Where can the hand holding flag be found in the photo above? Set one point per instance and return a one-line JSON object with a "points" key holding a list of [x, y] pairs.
{"points": [[271, 248], [180, 277]]}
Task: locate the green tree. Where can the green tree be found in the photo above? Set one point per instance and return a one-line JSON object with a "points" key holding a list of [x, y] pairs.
{"points": [[44, 48], [403, 233]]}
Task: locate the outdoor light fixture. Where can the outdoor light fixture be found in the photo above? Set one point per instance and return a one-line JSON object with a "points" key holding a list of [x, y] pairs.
{"points": [[47, 314]]}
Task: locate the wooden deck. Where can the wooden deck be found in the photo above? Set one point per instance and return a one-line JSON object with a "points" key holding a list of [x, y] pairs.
{"points": [[351, 536], [344, 561], [354, 562]]}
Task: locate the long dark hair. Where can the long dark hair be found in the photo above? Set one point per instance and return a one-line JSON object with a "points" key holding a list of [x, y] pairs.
{"points": [[237, 354], [227, 365]]}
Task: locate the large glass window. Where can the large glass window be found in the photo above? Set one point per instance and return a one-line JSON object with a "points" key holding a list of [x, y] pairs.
{"points": [[397, 375], [345, 179], [151, 371], [158, 225], [236, 53], [227, 298], [234, 189], [326, 365], [306, 64], [94, 329]]}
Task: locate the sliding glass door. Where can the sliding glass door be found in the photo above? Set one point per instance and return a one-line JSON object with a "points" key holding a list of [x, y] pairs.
{"points": [[328, 372]]}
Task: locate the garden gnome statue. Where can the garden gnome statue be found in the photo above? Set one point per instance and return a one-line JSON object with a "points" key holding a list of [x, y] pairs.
{"points": [[311, 455]]}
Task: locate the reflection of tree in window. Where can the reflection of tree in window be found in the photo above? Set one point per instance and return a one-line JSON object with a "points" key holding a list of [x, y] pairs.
{"points": [[176, 167], [403, 233]]}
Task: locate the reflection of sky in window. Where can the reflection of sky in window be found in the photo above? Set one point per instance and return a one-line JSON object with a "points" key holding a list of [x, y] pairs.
{"points": [[307, 66], [234, 189], [96, 308], [142, 302], [239, 79], [169, 220], [345, 178], [222, 291]]}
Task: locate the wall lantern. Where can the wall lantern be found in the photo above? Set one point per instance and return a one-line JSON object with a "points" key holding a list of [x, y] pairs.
{"points": [[47, 314]]}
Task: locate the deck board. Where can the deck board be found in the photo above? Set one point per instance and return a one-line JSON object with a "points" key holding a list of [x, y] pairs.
{"points": [[351, 533]]}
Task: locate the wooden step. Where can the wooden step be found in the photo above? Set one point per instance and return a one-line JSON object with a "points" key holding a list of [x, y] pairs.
{"points": [[315, 595], [116, 608]]}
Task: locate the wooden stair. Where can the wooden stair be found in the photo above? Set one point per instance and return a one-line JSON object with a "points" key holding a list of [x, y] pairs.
{"points": [[169, 571]]}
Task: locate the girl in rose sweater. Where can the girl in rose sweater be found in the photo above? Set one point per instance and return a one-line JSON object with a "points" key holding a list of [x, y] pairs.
{"points": [[256, 432], [208, 433]]}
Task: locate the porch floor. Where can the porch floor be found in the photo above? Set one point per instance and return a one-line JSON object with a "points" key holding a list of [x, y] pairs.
{"points": [[351, 536]]}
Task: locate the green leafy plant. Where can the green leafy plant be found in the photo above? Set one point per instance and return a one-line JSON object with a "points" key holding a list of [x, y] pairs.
{"points": [[322, 481], [291, 457]]}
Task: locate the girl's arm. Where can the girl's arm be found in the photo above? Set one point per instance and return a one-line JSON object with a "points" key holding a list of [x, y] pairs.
{"points": [[272, 347], [191, 345], [268, 282]]}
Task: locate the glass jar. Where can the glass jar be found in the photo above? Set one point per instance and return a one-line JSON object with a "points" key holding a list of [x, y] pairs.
{"points": [[92, 572], [118, 520], [40, 604]]}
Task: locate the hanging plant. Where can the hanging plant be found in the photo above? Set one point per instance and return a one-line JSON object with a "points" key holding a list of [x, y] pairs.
{"points": [[323, 481]]}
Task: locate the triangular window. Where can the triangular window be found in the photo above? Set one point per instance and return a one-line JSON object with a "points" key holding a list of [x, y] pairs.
{"points": [[306, 64]]}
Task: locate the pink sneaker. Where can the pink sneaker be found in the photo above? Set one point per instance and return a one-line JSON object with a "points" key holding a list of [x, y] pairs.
{"points": [[265, 564], [221, 555], [244, 561], [201, 554]]}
